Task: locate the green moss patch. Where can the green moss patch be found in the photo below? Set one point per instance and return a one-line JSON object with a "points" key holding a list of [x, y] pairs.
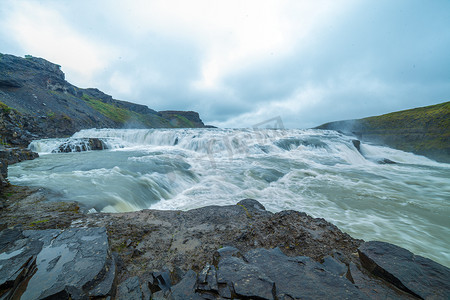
{"points": [[110, 111], [123, 116], [5, 108], [34, 223]]}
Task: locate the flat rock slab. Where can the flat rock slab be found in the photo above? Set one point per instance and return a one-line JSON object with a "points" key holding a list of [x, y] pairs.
{"points": [[263, 274], [188, 239], [414, 274], [74, 263]]}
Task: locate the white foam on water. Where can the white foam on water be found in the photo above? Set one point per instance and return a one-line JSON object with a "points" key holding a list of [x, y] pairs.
{"points": [[318, 172]]}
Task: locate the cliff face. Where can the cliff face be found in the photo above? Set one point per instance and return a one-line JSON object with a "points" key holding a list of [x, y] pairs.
{"points": [[37, 102], [423, 130]]}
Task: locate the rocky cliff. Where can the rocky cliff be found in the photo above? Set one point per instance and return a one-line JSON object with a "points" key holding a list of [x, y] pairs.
{"points": [[423, 130], [37, 102]]}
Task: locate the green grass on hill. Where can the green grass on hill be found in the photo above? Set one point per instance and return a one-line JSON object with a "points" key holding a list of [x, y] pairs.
{"points": [[112, 112], [123, 116], [434, 117], [5, 108], [423, 130]]}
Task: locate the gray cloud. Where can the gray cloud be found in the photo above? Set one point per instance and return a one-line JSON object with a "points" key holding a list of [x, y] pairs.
{"points": [[371, 58]]}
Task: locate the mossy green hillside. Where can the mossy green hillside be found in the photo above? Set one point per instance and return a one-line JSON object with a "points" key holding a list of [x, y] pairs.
{"points": [[6, 109], [124, 116], [422, 130], [180, 121], [434, 117], [114, 113]]}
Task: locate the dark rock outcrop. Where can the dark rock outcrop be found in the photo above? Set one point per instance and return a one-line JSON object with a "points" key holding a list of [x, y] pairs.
{"points": [[15, 155], [131, 289], [9, 156], [80, 145], [181, 255], [357, 144], [414, 274], [70, 264], [3, 173], [37, 102], [423, 130], [386, 161]]}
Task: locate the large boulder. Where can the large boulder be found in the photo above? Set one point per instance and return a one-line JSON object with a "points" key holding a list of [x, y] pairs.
{"points": [[414, 274], [70, 264]]}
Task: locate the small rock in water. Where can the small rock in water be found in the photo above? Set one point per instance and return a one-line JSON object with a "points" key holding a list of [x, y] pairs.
{"points": [[357, 144], [386, 161]]}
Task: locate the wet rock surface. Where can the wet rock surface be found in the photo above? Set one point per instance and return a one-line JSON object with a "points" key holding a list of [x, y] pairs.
{"points": [[15, 155], [218, 252], [414, 274], [9, 156], [71, 264], [80, 145]]}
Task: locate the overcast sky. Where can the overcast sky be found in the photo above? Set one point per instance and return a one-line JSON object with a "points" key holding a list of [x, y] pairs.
{"points": [[239, 63]]}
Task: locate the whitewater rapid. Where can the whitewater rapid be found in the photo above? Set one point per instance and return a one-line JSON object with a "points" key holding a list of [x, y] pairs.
{"points": [[318, 172]]}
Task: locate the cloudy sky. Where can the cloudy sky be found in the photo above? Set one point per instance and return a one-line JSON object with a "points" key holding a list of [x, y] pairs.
{"points": [[239, 63]]}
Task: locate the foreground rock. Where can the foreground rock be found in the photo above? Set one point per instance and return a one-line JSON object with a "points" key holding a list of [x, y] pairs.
{"points": [[9, 156], [71, 264], [414, 274], [217, 252]]}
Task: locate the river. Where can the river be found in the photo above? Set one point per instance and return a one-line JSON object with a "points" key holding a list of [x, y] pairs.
{"points": [[315, 171]]}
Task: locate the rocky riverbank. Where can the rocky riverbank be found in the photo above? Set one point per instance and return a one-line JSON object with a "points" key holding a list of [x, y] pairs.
{"points": [[9, 156], [217, 252]]}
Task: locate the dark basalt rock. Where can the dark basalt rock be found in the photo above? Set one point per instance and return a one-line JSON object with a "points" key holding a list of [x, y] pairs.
{"points": [[130, 289], [386, 161], [185, 289], [373, 287], [15, 155], [334, 266], [3, 173], [414, 274], [286, 255], [207, 281], [81, 145], [71, 264], [10, 83], [9, 156], [357, 144], [244, 280], [301, 277]]}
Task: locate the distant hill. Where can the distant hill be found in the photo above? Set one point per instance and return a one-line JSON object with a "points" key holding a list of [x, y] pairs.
{"points": [[37, 102], [423, 130]]}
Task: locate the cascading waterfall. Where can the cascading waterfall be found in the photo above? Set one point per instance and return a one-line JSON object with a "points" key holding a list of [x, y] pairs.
{"points": [[318, 172]]}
